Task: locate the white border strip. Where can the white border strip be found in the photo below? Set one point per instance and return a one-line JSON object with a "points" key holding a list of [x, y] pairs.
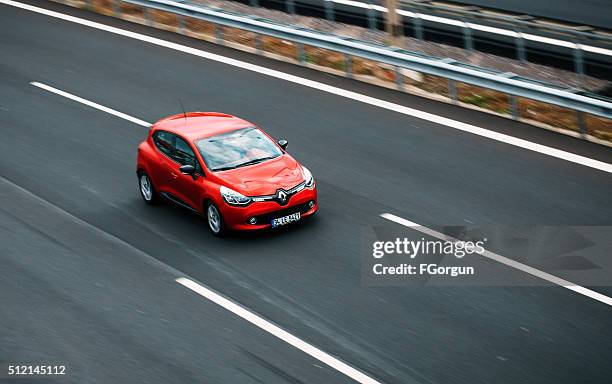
{"points": [[275, 330], [352, 3], [539, 148], [506, 261]]}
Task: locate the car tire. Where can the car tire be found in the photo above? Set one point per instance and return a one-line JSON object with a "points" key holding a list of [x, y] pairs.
{"points": [[147, 190], [214, 220]]}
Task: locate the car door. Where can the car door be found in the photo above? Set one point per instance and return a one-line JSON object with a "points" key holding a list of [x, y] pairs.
{"points": [[187, 188], [162, 172]]}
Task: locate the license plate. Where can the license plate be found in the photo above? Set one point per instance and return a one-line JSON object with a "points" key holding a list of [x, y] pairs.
{"points": [[286, 219]]}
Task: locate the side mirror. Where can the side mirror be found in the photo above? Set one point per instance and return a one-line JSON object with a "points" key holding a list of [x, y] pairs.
{"points": [[283, 144], [188, 169]]}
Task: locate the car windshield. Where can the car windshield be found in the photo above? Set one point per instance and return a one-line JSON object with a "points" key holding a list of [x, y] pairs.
{"points": [[237, 149]]}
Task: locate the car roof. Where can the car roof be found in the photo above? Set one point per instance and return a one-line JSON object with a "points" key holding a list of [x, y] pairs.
{"points": [[200, 124]]}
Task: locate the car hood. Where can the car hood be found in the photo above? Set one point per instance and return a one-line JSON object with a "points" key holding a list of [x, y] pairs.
{"points": [[264, 178]]}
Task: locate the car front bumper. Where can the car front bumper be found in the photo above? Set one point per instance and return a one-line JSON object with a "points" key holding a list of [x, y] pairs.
{"points": [[237, 218]]}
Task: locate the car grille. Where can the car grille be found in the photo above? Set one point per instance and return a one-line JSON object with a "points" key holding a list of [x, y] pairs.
{"points": [[289, 193], [267, 218]]}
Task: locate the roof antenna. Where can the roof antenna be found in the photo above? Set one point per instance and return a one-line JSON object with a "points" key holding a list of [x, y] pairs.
{"points": [[183, 108]]}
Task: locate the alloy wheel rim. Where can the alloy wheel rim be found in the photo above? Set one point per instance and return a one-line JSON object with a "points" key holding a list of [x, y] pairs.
{"points": [[214, 221], [145, 187]]}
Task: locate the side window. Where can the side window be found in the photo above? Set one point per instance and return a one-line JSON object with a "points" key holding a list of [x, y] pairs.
{"points": [[184, 155], [163, 141]]}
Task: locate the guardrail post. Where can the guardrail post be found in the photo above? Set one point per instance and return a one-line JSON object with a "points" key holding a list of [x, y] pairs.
{"points": [[147, 17], [181, 24], [116, 8], [514, 108], [467, 36], [582, 124], [399, 79], [348, 66], [371, 17], [417, 23], [580, 31], [329, 10], [301, 53], [578, 61], [258, 43], [520, 46], [519, 40], [452, 90], [290, 4], [219, 34]]}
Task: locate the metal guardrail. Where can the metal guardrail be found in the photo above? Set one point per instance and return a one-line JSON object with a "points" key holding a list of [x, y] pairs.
{"points": [[518, 21], [578, 39], [447, 68], [467, 18]]}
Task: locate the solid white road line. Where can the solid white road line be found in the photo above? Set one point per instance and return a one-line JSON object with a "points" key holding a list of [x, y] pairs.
{"points": [[592, 163], [91, 104], [275, 330], [506, 261]]}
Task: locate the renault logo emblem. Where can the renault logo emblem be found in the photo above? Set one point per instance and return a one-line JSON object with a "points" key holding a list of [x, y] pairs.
{"points": [[281, 196]]}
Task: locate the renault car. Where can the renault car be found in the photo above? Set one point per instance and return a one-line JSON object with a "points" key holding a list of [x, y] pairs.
{"points": [[225, 168]]}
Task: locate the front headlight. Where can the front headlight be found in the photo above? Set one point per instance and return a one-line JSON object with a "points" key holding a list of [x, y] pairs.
{"points": [[308, 178], [233, 197]]}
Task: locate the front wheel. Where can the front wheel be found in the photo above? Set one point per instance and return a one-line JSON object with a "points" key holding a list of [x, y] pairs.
{"points": [[215, 220], [147, 191]]}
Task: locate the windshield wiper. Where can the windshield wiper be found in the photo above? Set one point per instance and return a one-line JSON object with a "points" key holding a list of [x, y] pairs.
{"points": [[254, 161], [223, 168], [250, 162]]}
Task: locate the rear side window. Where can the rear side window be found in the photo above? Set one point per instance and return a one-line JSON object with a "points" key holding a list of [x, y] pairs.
{"points": [[164, 141]]}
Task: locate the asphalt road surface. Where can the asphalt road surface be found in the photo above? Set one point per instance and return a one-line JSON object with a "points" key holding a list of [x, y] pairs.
{"points": [[87, 269]]}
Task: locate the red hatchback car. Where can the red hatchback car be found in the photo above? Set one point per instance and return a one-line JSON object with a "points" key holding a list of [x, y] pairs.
{"points": [[225, 168]]}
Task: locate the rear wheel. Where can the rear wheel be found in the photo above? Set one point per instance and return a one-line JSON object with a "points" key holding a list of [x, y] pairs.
{"points": [[215, 220], [147, 191]]}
